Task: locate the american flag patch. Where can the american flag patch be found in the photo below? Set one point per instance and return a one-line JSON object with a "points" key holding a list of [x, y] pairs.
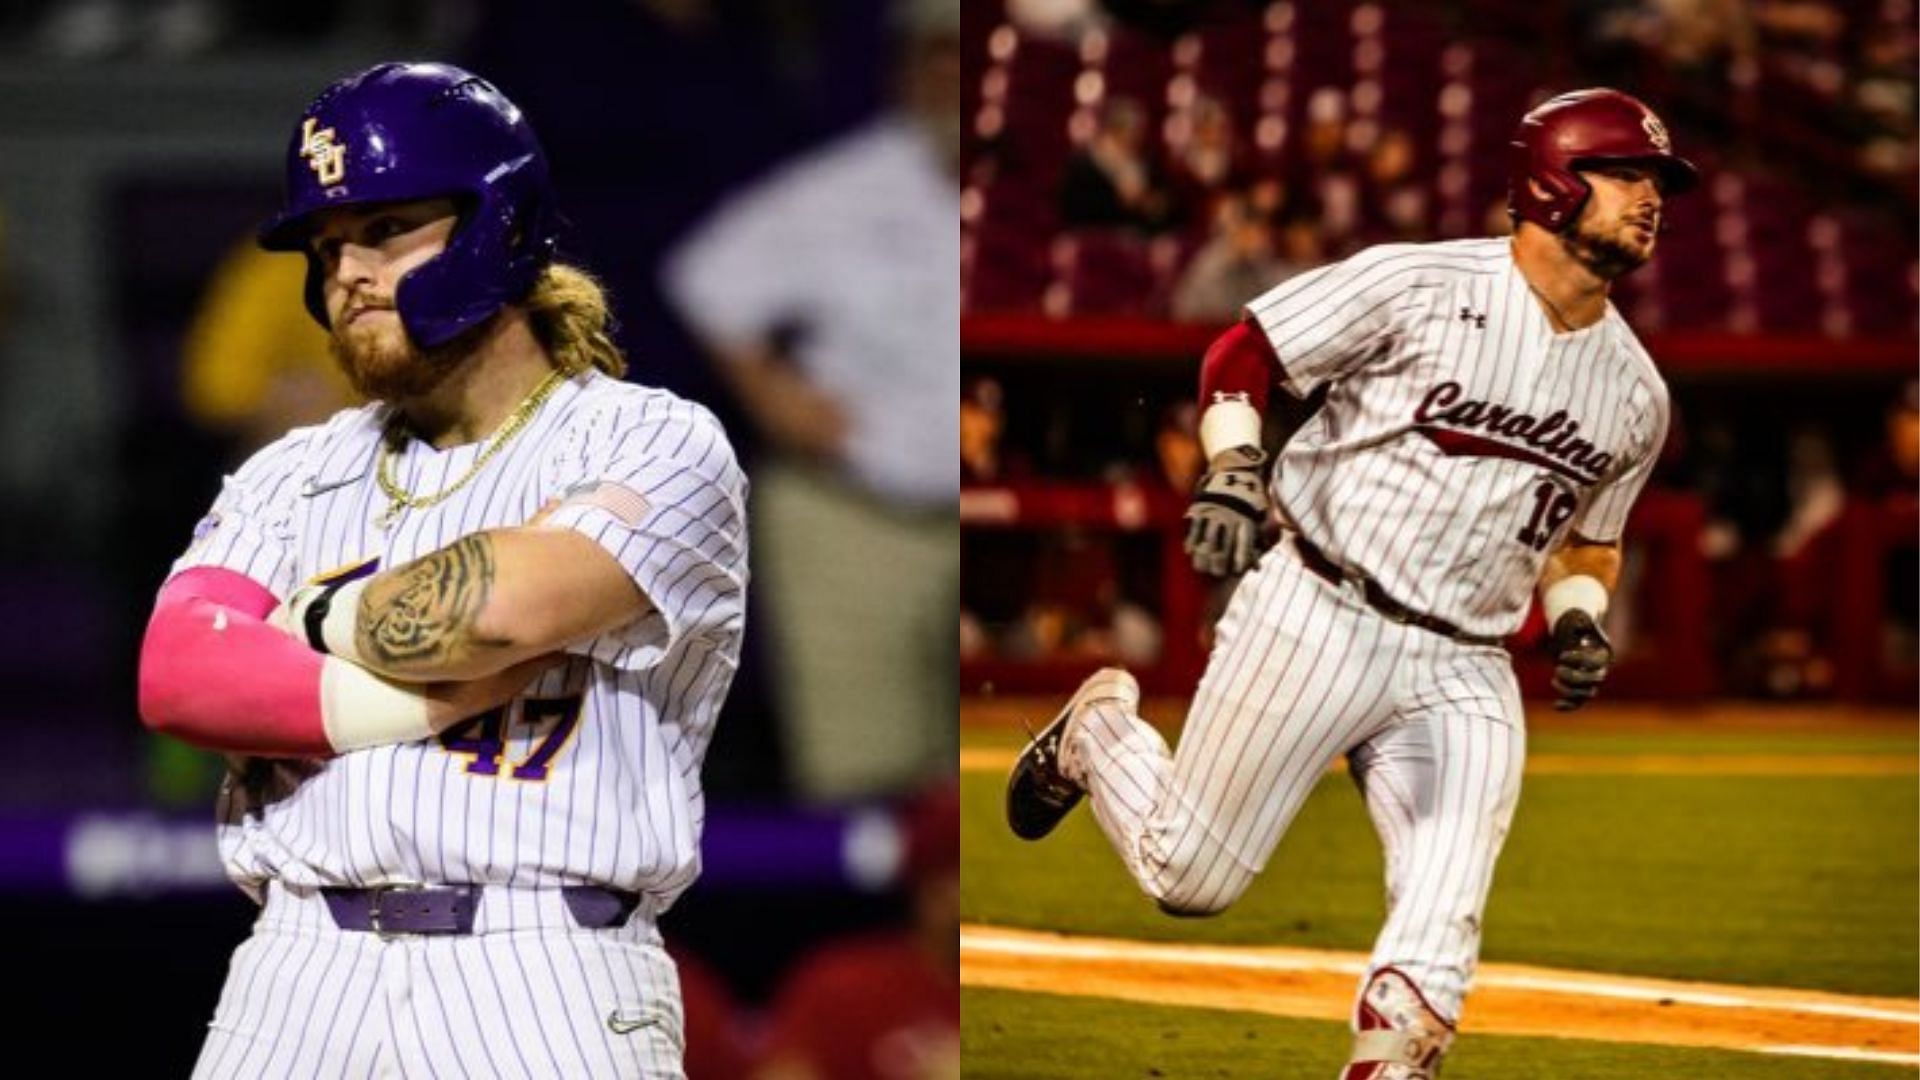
{"points": [[617, 499]]}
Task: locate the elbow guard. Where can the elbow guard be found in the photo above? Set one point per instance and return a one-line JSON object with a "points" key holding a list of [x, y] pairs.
{"points": [[1239, 365], [1235, 377]]}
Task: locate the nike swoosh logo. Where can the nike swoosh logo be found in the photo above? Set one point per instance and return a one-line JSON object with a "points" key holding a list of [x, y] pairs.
{"points": [[627, 1027], [313, 488]]}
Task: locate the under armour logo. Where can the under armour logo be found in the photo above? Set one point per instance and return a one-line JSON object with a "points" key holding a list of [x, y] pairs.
{"points": [[1478, 320], [327, 159]]}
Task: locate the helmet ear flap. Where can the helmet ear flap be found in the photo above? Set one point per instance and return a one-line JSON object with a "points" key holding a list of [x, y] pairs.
{"points": [[438, 302], [493, 258], [1549, 197], [1567, 195]]}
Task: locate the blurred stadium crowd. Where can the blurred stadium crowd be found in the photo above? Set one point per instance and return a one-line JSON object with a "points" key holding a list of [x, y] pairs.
{"points": [[1155, 166], [1131, 167], [148, 347]]}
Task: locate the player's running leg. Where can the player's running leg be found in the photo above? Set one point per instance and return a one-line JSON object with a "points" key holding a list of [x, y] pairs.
{"points": [[1299, 667], [1441, 785]]}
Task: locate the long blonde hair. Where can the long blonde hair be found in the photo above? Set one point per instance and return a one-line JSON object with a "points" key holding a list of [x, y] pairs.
{"points": [[567, 310]]}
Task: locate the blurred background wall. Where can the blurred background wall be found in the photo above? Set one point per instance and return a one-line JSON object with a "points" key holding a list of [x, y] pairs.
{"points": [[146, 348]]}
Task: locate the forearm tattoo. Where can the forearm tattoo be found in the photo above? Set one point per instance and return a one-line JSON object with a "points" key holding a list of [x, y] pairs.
{"points": [[421, 616]]}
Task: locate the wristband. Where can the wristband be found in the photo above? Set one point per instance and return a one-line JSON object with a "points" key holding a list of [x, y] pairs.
{"points": [[1581, 592], [360, 709], [1229, 423]]}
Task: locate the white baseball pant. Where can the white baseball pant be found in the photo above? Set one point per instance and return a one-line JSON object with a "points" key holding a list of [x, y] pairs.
{"points": [[528, 994], [1302, 671]]}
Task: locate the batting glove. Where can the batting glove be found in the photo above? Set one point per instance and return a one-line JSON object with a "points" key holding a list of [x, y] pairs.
{"points": [[1581, 657], [324, 615], [1229, 508]]}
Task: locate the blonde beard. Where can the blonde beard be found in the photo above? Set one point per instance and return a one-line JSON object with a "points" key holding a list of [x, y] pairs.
{"points": [[383, 366]]}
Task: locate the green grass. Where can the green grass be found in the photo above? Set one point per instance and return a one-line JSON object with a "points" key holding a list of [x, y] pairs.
{"points": [[1806, 881], [1787, 881], [1011, 1036]]}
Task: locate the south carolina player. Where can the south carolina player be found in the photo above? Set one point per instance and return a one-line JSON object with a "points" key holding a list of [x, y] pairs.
{"points": [[1488, 421], [467, 752]]}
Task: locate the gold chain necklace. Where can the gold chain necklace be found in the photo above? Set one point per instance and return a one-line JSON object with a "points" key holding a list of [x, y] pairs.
{"points": [[399, 498]]}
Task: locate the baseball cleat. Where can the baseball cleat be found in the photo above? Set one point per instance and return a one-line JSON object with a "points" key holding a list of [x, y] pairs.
{"points": [[1399, 1036], [1038, 793]]}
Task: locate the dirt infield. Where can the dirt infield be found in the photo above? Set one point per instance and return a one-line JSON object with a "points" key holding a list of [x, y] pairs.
{"points": [[1507, 999]]}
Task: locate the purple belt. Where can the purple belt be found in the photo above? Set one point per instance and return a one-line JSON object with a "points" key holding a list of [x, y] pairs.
{"points": [[449, 909]]}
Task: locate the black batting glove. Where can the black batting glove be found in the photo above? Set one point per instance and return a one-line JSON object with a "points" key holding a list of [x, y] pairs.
{"points": [[1582, 656], [1229, 508]]}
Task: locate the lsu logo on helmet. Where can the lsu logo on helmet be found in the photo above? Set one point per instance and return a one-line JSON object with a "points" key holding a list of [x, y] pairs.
{"points": [[327, 159]]}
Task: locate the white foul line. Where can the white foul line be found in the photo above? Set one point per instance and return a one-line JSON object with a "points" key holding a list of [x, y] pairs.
{"points": [[1719, 1000]]}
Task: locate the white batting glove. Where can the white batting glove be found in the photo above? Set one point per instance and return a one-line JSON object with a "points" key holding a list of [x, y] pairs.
{"points": [[1229, 508]]}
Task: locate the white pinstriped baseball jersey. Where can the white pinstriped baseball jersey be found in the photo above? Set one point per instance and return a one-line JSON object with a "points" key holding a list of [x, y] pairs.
{"points": [[593, 775], [1461, 437]]}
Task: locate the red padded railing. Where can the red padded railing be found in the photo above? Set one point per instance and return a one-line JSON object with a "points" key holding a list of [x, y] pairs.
{"points": [[1124, 509], [1018, 335], [1867, 533]]}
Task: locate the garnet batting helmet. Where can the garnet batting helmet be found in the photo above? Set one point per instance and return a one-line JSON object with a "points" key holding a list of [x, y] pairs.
{"points": [[400, 132], [1578, 130]]}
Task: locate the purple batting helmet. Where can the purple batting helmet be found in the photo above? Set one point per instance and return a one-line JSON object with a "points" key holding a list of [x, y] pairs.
{"points": [[400, 132], [1577, 130]]}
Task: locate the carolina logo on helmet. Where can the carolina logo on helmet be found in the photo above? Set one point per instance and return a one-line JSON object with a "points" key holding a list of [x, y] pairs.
{"points": [[1656, 132], [327, 159]]}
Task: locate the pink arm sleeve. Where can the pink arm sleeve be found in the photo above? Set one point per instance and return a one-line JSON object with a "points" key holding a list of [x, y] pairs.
{"points": [[214, 674], [1240, 361]]}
